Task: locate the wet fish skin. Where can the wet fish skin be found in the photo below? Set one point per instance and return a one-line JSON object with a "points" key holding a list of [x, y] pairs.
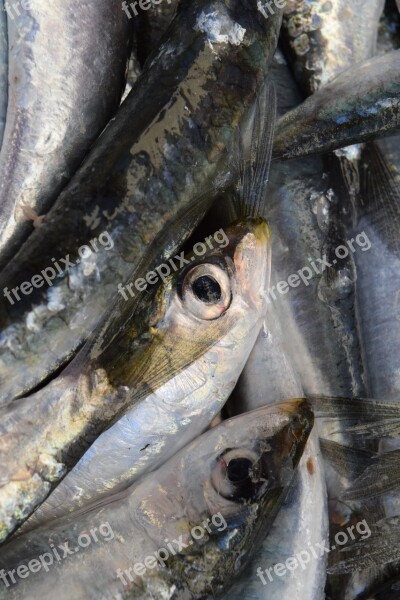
{"points": [[144, 171], [378, 284], [254, 388], [143, 345], [194, 485], [320, 39], [67, 68], [3, 69], [359, 105], [301, 523]]}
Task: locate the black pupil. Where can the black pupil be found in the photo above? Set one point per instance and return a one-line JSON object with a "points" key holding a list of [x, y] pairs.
{"points": [[239, 469], [207, 289]]}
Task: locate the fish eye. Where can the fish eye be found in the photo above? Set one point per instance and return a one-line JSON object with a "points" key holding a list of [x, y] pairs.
{"points": [[236, 474], [238, 470], [206, 291]]}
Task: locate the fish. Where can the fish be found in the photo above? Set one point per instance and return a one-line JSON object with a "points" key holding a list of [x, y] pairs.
{"points": [[151, 171], [143, 344], [187, 403], [362, 103], [67, 67], [3, 69], [233, 479], [320, 39]]}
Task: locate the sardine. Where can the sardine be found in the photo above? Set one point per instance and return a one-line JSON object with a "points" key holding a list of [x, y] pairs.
{"points": [[67, 64], [269, 374], [360, 104], [186, 404], [3, 69], [157, 166], [236, 475], [145, 342]]}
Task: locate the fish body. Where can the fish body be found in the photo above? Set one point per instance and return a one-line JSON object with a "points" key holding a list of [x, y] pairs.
{"points": [[269, 374], [378, 280], [66, 76], [236, 475], [144, 344], [320, 39], [301, 524], [149, 172], [3, 69], [362, 103]]}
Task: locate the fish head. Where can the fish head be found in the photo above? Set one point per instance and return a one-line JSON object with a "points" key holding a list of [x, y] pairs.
{"points": [[220, 494], [245, 466], [177, 320]]}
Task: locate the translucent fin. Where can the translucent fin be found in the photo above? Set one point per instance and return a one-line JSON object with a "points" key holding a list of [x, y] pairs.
{"points": [[379, 546], [382, 476], [380, 194], [345, 459], [374, 419], [254, 162]]}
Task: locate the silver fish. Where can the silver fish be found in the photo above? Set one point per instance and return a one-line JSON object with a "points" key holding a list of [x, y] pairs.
{"points": [[177, 412], [67, 64], [144, 344], [187, 403], [236, 475], [151, 170]]}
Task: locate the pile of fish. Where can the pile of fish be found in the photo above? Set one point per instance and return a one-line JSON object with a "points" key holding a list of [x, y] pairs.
{"points": [[200, 300]]}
